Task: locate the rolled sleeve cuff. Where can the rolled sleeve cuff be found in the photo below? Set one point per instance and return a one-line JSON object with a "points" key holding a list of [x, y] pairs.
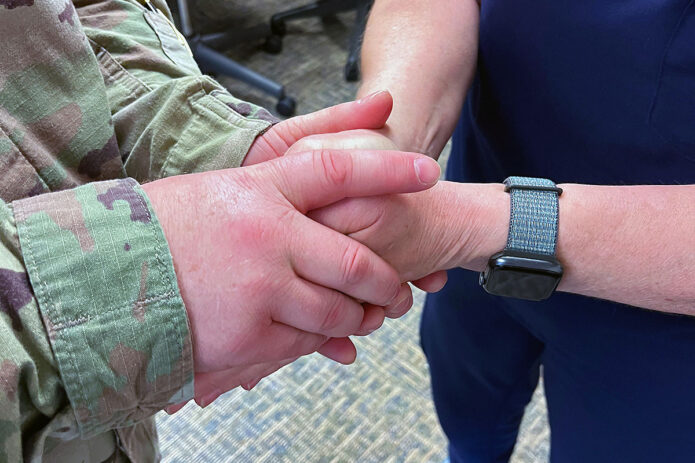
{"points": [[104, 280]]}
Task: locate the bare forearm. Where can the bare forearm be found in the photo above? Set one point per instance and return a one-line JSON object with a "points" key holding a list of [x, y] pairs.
{"points": [[629, 244], [424, 52]]}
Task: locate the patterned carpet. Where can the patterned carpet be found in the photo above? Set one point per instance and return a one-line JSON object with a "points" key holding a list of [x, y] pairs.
{"points": [[376, 410]]}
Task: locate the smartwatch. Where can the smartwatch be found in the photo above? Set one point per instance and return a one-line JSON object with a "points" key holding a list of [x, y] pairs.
{"points": [[527, 267]]}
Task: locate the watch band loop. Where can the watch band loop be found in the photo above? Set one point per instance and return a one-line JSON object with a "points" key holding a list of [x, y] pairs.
{"points": [[533, 225]]}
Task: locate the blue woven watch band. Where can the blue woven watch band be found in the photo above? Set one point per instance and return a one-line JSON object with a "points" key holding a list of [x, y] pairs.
{"points": [[534, 215]]}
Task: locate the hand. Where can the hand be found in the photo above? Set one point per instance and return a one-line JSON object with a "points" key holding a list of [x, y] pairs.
{"points": [[370, 112], [346, 140], [209, 386], [374, 140], [425, 233], [261, 282]]}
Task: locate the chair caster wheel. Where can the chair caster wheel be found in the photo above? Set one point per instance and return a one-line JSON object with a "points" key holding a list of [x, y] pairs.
{"points": [[286, 106], [273, 44], [278, 27], [352, 71], [329, 19]]}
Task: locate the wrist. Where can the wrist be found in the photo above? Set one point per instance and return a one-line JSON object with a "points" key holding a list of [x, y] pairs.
{"points": [[424, 141], [491, 216], [486, 222], [164, 198], [579, 230], [424, 132]]}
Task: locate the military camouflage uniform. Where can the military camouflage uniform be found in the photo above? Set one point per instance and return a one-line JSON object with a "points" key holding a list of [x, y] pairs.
{"points": [[94, 333]]}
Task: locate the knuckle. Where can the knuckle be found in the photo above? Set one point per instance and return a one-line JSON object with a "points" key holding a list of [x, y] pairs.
{"points": [[310, 143], [235, 346], [292, 130], [406, 306], [334, 314], [336, 169], [402, 308], [376, 216], [305, 344], [392, 288], [355, 264]]}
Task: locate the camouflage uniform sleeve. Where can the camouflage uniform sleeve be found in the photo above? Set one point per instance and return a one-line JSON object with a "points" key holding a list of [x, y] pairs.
{"points": [[168, 118], [103, 279], [30, 385]]}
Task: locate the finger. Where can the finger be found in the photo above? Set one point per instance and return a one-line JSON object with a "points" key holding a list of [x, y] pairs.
{"points": [[276, 342], [313, 308], [433, 282], [341, 350], [226, 380], [402, 303], [254, 382], [335, 261], [373, 319], [209, 386], [269, 370], [351, 215], [170, 410], [249, 381], [319, 178], [348, 140], [370, 112]]}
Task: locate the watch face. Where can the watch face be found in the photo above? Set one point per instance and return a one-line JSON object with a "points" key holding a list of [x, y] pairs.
{"points": [[522, 276], [520, 284]]}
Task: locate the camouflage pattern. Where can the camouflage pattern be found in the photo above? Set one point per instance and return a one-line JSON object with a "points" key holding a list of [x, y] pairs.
{"points": [[95, 98]]}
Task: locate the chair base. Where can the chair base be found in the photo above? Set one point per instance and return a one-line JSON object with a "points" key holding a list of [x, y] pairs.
{"points": [[325, 9], [213, 61]]}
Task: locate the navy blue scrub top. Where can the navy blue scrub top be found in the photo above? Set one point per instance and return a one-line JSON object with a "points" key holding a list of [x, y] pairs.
{"points": [[585, 91]]}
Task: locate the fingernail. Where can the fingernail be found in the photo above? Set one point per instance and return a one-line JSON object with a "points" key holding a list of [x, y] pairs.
{"points": [[210, 398], [427, 170], [251, 385], [371, 96], [393, 299], [171, 409], [401, 304], [366, 331]]}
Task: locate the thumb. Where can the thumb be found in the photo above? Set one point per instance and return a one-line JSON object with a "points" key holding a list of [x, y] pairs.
{"points": [[340, 350], [318, 178], [347, 140], [370, 112]]}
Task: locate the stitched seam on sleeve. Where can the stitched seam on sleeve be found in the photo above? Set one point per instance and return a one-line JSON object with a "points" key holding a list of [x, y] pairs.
{"points": [[85, 318], [26, 158], [52, 307], [114, 62], [161, 248], [158, 256], [199, 110], [165, 164], [53, 311], [239, 121]]}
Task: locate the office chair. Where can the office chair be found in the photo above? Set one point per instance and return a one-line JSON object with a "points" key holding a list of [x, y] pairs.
{"points": [[325, 9], [205, 51]]}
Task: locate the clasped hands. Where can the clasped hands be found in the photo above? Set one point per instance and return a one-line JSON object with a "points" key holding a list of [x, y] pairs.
{"points": [[270, 258]]}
